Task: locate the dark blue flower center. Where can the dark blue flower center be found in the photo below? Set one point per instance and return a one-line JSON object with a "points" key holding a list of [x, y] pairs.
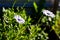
{"points": [[19, 19], [48, 13]]}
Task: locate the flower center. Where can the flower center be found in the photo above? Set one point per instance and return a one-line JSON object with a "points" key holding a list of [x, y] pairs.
{"points": [[48, 13], [19, 20]]}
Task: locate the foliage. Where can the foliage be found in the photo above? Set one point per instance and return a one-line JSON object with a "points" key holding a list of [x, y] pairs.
{"points": [[12, 30], [56, 27]]}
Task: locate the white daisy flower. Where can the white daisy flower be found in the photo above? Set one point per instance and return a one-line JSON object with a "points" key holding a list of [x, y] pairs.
{"points": [[48, 13], [19, 19]]}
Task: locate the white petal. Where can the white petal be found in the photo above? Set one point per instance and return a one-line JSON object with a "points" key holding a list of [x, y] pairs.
{"points": [[17, 16]]}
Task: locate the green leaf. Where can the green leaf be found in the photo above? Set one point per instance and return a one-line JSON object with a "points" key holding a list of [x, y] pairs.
{"points": [[35, 6]]}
